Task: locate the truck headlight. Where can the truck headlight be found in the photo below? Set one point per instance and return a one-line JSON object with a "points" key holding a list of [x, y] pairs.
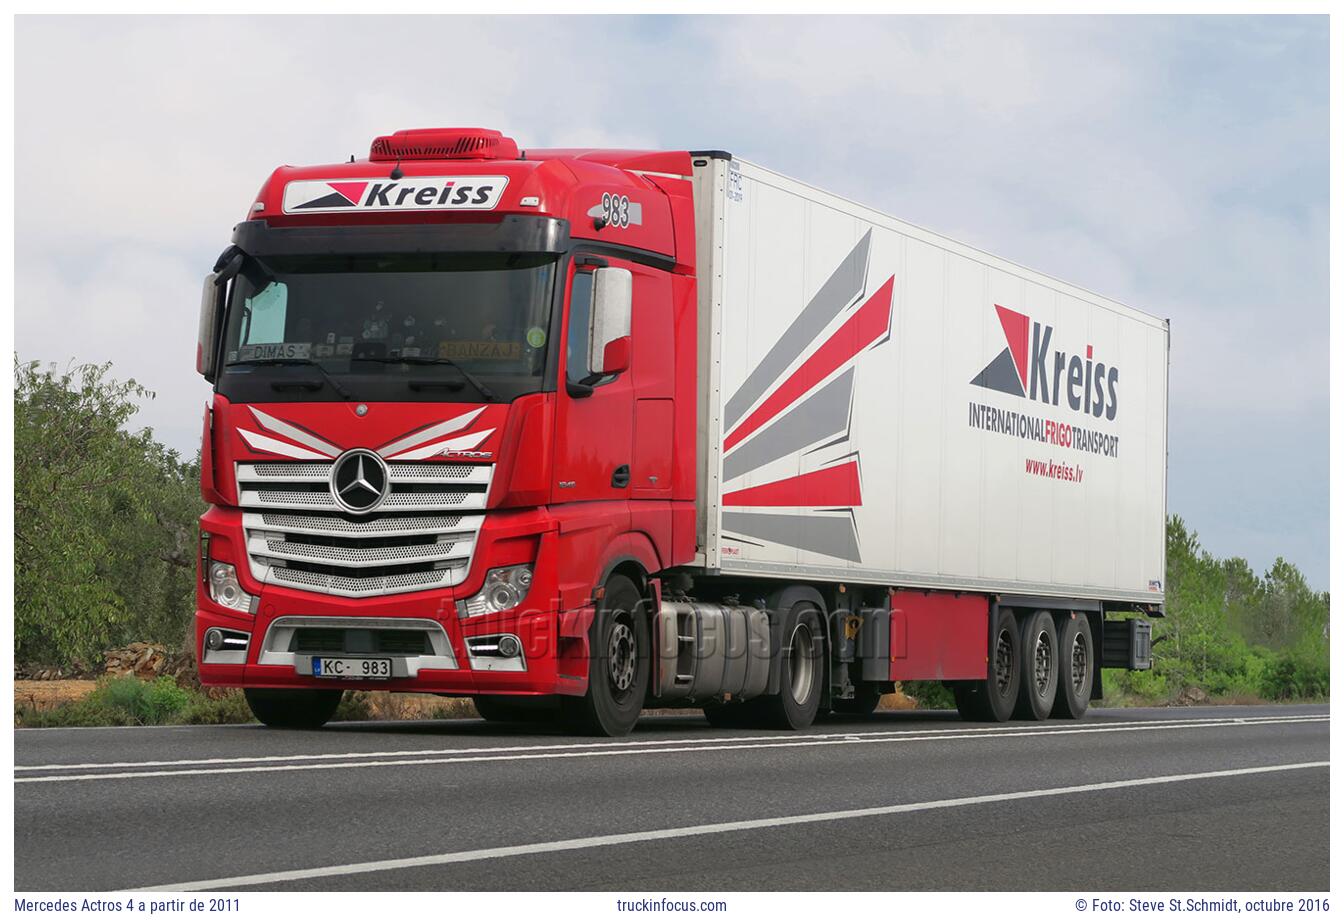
{"points": [[504, 589], [225, 590]]}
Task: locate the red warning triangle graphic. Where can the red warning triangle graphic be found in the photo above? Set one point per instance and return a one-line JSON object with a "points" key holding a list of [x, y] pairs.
{"points": [[353, 191], [1015, 330]]}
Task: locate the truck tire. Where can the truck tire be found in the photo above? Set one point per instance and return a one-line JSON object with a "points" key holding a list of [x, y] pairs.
{"points": [[292, 708], [514, 709], [1040, 667], [994, 698], [802, 665], [1074, 689], [618, 665]]}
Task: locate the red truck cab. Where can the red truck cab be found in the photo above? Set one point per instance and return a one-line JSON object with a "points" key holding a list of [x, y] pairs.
{"points": [[454, 389]]}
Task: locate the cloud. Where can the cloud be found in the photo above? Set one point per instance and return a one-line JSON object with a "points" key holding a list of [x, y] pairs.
{"points": [[1178, 164]]}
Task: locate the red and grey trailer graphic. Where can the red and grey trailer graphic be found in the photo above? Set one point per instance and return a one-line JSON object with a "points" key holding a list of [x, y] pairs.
{"points": [[412, 193], [778, 412]]}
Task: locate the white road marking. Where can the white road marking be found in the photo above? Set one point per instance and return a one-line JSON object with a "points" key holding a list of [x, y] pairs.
{"points": [[960, 730], [697, 830], [608, 749]]}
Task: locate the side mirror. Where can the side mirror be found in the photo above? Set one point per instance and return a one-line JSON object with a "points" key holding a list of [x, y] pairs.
{"points": [[613, 292], [212, 308], [229, 263]]}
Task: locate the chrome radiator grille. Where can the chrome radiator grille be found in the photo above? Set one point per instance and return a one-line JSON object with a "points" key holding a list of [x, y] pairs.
{"points": [[419, 538]]}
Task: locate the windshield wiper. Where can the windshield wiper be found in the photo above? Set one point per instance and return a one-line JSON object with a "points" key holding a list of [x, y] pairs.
{"points": [[467, 375], [300, 362]]}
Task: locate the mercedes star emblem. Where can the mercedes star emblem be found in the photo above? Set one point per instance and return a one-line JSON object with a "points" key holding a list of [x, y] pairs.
{"points": [[359, 481]]}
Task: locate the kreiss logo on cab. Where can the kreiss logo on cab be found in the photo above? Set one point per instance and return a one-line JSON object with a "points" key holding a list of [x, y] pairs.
{"points": [[413, 193], [1029, 369]]}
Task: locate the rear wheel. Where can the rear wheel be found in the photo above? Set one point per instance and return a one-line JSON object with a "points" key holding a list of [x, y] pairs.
{"points": [[618, 666], [802, 672], [1074, 689], [292, 708], [994, 698], [1040, 667]]}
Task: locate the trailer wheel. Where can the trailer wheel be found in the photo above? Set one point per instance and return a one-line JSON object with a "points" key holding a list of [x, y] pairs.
{"points": [[1040, 667], [292, 708], [618, 666], [1074, 689], [994, 698]]}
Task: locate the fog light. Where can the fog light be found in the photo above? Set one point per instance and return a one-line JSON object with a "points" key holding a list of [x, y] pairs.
{"points": [[508, 647], [214, 639]]}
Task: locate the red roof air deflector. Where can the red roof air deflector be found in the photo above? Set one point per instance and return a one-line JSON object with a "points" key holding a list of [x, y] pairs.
{"points": [[444, 144]]}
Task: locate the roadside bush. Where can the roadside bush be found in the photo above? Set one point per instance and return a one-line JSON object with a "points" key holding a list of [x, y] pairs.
{"points": [[230, 709], [133, 702], [929, 694], [1294, 676]]}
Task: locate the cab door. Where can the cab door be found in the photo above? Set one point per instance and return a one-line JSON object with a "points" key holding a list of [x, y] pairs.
{"points": [[595, 418]]}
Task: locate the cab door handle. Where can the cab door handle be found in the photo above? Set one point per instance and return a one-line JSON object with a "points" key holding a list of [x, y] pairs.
{"points": [[621, 478]]}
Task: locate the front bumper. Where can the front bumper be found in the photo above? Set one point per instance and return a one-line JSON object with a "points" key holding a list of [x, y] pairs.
{"points": [[457, 660]]}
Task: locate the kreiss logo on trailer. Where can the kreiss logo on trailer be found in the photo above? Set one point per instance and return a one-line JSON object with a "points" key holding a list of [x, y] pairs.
{"points": [[413, 193], [1029, 369]]}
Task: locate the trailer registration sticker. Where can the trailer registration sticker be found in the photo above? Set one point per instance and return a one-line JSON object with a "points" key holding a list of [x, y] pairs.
{"points": [[353, 668]]}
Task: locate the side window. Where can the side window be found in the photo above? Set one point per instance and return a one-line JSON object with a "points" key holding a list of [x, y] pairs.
{"points": [[580, 318]]}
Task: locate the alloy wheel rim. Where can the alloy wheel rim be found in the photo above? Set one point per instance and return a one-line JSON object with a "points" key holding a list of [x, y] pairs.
{"points": [[800, 649], [1078, 663], [1044, 661], [621, 657], [1003, 662]]}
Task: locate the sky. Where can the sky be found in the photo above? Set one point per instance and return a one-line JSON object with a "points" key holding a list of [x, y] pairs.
{"points": [[1177, 164]]}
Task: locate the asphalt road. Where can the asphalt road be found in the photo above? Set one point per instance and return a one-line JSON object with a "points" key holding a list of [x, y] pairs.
{"points": [[1207, 799]]}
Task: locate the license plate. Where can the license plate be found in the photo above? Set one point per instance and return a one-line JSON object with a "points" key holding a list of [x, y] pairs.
{"points": [[353, 668]]}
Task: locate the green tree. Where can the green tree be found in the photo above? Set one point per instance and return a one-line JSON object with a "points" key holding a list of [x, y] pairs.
{"points": [[103, 518]]}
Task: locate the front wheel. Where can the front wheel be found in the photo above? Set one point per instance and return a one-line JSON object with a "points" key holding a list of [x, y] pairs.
{"points": [[292, 708], [618, 665]]}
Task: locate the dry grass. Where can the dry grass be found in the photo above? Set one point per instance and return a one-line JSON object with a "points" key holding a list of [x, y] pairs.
{"points": [[385, 706], [48, 694], [896, 701]]}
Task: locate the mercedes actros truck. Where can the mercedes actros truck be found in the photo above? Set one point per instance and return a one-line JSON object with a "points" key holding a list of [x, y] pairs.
{"points": [[578, 432]]}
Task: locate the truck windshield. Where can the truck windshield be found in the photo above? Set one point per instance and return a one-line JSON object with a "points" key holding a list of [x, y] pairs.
{"points": [[388, 328]]}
